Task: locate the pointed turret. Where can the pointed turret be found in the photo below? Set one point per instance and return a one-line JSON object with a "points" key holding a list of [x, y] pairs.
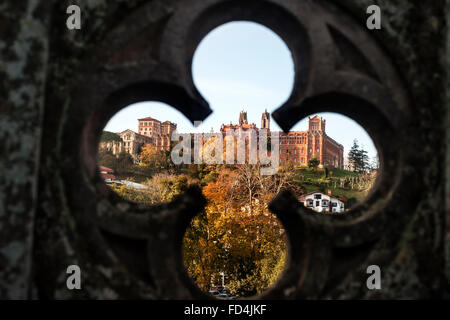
{"points": [[243, 118], [265, 120]]}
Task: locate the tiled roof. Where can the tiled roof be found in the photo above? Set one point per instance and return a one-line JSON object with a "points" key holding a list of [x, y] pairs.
{"points": [[106, 169], [126, 130], [292, 133], [149, 118], [143, 136], [317, 191]]}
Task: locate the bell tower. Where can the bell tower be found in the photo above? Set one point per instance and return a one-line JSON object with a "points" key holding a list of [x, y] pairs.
{"points": [[265, 120], [243, 118], [316, 124]]}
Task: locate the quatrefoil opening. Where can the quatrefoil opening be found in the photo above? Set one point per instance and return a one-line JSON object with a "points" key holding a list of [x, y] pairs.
{"points": [[339, 71]]}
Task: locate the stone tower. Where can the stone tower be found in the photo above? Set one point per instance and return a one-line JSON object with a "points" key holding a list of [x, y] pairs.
{"points": [[265, 120], [316, 124], [243, 118]]}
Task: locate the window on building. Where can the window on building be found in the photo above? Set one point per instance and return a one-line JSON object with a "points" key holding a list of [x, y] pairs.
{"points": [[310, 150], [325, 203], [309, 203], [317, 203], [318, 196], [334, 204], [318, 150]]}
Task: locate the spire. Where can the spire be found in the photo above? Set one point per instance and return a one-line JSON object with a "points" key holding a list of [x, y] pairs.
{"points": [[265, 120], [243, 118]]}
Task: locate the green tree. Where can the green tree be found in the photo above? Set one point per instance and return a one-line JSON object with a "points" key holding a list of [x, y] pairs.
{"points": [[107, 159], [313, 163], [364, 160], [124, 162], [109, 136], [157, 159], [358, 158], [174, 187], [353, 155]]}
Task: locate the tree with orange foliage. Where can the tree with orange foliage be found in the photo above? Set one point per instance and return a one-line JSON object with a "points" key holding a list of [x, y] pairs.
{"points": [[236, 234], [153, 157]]}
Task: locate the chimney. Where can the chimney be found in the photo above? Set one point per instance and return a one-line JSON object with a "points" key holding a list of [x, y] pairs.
{"points": [[329, 192]]}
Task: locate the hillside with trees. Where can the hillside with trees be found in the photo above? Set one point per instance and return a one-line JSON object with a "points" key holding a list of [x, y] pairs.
{"points": [[109, 136], [235, 234]]}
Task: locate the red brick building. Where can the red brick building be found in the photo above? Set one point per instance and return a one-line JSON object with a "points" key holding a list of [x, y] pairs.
{"points": [[160, 132], [299, 147]]}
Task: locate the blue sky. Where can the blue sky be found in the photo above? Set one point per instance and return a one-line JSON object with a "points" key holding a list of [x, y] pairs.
{"points": [[241, 65]]}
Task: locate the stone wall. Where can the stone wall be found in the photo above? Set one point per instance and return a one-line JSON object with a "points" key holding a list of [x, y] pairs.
{"points": [[60, 87]]}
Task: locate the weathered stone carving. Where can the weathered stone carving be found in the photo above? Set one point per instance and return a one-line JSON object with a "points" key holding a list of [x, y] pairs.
{"points": [[391, 81]]}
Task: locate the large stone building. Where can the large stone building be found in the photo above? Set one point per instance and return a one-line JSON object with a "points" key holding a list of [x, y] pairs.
{"points": [[243, 124], [130, 142], [133, 142], [150, 131], [299, 147], [159, 131]]}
